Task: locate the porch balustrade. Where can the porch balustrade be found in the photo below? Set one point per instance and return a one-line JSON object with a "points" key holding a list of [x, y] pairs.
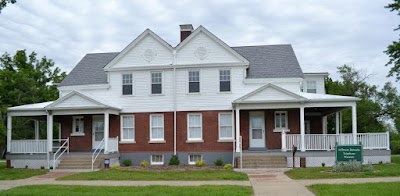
{"points": [[28, 146], [113, 144], [328, 141]]}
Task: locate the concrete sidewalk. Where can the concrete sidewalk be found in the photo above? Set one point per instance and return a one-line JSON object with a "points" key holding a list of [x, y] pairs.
{"points": [[348, 180]]}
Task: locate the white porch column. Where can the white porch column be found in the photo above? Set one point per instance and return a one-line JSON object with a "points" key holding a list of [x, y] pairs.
{"points": [[354, 122], [106, 131], [302, 129], [324, 125], [49, 132], [36, 129], [283, 140], [237, 128], [337, 123], [9, 128]]}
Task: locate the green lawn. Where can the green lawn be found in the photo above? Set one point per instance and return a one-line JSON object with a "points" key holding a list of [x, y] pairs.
{"points": [[15, 174], [124, 190], [158, 175], [379, 188], [381, 170]]}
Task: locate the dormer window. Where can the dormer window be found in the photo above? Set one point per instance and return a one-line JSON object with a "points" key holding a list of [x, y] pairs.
{"points": [[311, 87], [127, 84]]}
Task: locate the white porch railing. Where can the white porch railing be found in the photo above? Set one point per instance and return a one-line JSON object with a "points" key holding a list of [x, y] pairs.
{"points": [[61, 150], [97, 152], [328, 141], [28, 146], [113, 144]]}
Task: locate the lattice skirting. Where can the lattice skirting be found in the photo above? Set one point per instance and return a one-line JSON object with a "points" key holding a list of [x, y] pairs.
{"points": [[330, 161], [32, 164]]}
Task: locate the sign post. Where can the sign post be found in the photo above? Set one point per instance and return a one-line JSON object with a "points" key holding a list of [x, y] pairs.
{"points": [[347, 153]]}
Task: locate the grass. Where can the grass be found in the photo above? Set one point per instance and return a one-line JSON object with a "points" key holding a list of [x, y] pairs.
{"points": [[122, 174], [379, 188], [381, 170], [134, 190], [15, 174]]}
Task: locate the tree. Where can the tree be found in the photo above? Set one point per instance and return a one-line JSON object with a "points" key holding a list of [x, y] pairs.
{"points": [[25, 80], [3, 3], [393, 50]]}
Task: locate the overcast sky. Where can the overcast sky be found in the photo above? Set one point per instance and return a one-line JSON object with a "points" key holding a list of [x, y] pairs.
{"points": [[324, 34]]}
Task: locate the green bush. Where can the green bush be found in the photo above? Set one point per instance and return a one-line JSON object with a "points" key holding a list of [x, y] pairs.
{"points": [[174, 160], [127, 162], [228, 166], [42, 167], [395, 146], [201, 163], [144, 163], [352, 166], [218, 162], [323, 164], [115, 167]]}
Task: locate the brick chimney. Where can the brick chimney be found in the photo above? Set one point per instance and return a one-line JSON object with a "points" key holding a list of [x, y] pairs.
{"points": [[186, 30]]}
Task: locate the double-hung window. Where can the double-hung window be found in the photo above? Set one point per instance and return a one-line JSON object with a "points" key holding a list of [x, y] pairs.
{"points": [[225, 126], [224, 80], [193, 158], [128, 128], [157, 159], [156, 127], [311, 87], [280, 120], [194, 81], [78, 125], [127, 84], [156, 83], [194, 127]]}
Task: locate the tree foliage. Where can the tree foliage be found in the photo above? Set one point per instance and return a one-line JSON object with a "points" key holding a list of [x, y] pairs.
{"points": [[3, 3], [393, 50]]}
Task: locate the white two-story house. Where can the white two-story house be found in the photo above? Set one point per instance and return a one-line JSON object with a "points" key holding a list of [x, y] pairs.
{"points": [[200, 100]]}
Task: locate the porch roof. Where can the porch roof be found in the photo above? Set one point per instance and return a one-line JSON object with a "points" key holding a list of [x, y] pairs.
{"points": [[74, 102]]}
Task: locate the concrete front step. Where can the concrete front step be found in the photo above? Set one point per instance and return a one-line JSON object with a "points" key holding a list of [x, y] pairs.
{"points": [[262, 162], [80, 162]]}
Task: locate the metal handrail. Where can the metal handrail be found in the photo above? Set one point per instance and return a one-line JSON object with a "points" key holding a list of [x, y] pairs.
{"points": [[66, 148], [98, 148]]}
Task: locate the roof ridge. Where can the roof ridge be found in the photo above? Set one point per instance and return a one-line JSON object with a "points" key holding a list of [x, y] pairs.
{"points": [[262, 45], [103, 53]]}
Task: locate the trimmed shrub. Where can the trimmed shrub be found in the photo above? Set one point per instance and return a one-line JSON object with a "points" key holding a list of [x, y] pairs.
{"points": [[395, 146], [323, 164], [26, 166], [218, 162], [228, 166], [352, 166], [42, 167], [144, 163], [115, 167], [127, 162], [174, 160], [201, 163]]}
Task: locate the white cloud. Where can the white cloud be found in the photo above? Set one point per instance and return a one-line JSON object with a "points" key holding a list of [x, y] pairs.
{"points": [[324, 34]]}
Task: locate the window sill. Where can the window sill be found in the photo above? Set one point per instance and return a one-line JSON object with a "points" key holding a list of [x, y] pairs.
{"points": [[280, 130], [157, 142], [127, 95], [127, 142], [225, 140], [156, 95], [225, 92], [194, 141], [77, 134], [193, 93]]}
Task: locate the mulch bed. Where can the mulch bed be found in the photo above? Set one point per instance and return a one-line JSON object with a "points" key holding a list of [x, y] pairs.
{"points": [[173, 168]]}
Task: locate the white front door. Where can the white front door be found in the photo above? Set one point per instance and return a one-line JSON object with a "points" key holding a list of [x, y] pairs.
{"points": [[257, 130], [98, 130]]}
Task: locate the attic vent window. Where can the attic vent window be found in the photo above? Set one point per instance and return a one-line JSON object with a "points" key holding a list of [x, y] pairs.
{"points": [[149, 55], [201, 52]]}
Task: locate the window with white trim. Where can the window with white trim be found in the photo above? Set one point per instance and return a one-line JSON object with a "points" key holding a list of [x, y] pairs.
{"points": [[311, 87], [224, 80], [281, 120], [78, 125], [156, 127], [225, 126], [193, 158], [157, 159], [194, 81], [128, 128], [156, 83], [127, 84], [194, 127]]}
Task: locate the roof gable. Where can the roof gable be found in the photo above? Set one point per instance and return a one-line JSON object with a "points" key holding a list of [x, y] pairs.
{"points": [[147, 49], [270, 93], [203, 47], [77, 100]]}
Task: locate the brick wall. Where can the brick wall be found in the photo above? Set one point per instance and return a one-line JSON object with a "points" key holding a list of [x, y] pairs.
{"points": [[77, 143]]}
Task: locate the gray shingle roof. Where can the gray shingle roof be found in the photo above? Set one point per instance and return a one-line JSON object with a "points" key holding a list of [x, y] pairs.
{"points": [[271, 61], [89, 70], [268, 61]]}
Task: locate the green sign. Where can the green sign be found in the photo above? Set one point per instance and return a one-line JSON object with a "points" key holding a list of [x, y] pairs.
{"points": [[346, 153]]}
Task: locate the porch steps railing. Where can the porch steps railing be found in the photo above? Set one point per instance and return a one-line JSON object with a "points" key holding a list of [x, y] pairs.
{"points": [[60, 152], [328, 141], [97, 152]]}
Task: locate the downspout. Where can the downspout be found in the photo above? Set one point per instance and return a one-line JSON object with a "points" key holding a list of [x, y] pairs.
{"points": [[174, 98]]}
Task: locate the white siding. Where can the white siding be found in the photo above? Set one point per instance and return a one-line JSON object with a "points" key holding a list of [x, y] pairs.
{"points": [[134, 57], [320, 82], [270, 94], [216, 53], [75, 101]]}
